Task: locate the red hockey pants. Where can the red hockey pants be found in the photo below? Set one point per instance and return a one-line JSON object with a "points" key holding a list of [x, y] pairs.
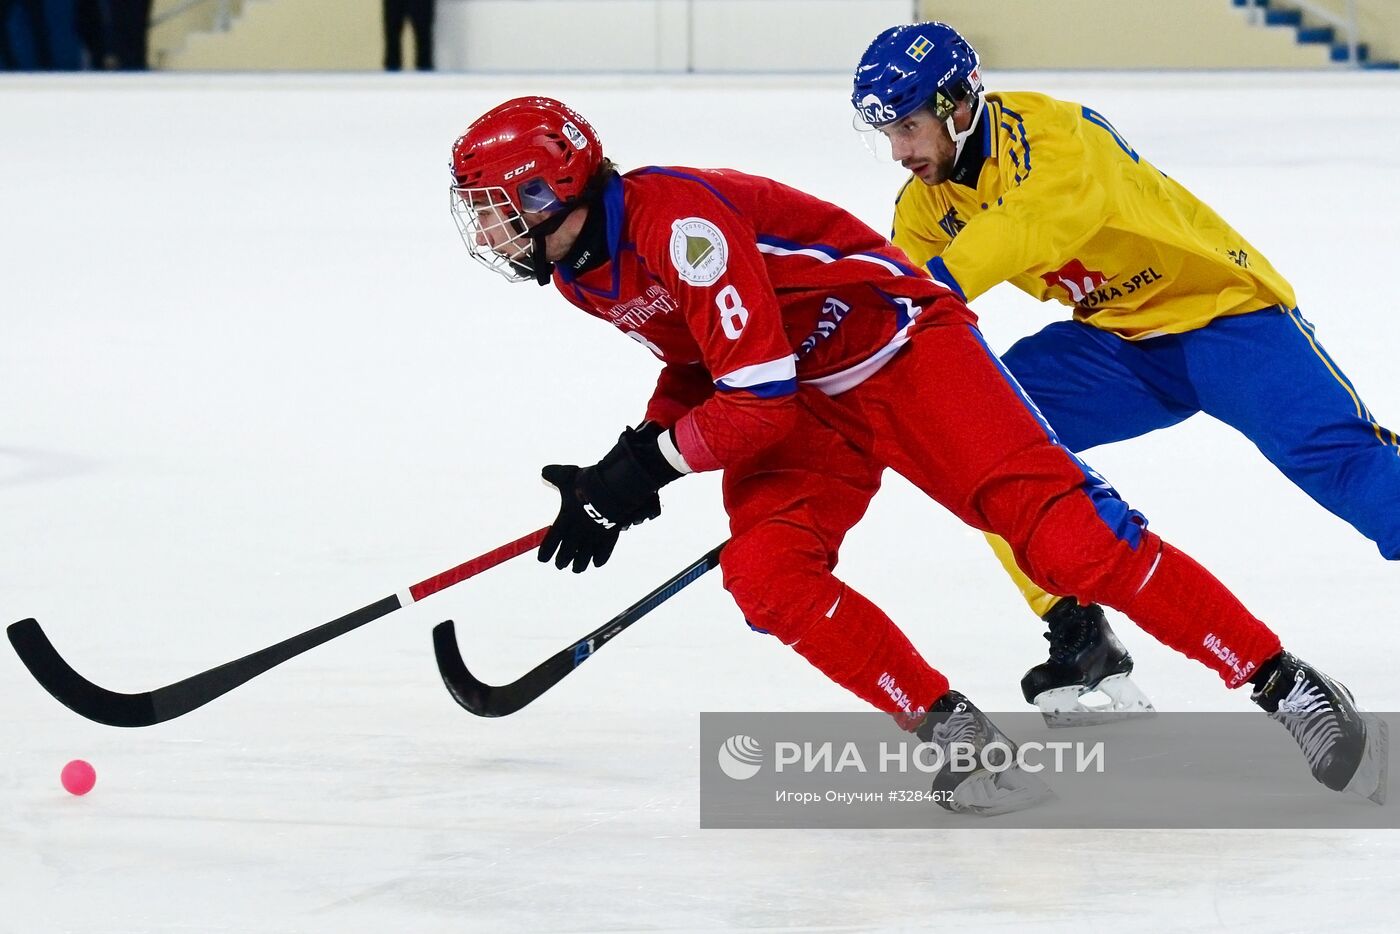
{"points": [[945, 415]]}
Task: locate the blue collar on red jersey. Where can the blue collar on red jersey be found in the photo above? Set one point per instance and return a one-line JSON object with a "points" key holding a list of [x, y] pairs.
{"points": [[610, 203]]}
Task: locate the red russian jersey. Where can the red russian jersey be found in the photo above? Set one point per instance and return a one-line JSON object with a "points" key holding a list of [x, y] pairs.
{"points": [[745, 287]]}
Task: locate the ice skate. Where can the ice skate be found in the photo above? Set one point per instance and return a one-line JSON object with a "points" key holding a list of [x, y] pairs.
{"points": [[958, 728], [1086, 658], [1346, 749]]}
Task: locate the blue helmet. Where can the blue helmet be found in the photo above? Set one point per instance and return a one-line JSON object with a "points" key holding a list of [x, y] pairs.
{"points": [[910, 66]]}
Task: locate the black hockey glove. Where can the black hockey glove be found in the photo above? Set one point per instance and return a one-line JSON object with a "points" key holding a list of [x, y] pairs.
{"points": [[598, 502]]}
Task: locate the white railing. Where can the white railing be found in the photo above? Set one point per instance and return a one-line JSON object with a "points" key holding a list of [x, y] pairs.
{"points": [[1345, 21]]}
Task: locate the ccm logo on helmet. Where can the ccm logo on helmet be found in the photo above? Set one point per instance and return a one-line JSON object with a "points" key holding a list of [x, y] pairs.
{"points": [[522, 169]]}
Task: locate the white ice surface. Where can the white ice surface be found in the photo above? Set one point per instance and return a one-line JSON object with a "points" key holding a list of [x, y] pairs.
{"points": [[250, 380]]}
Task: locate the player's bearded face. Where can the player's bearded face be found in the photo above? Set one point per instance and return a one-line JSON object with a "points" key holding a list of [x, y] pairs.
{"points": [[920, 142]]}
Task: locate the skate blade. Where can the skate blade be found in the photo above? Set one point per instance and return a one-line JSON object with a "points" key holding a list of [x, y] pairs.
{"points": [[1067, 707], [1372, 775], [987, 794]]}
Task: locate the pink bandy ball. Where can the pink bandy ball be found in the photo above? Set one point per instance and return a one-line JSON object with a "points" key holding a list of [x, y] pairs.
{"points": [[78, 777]]}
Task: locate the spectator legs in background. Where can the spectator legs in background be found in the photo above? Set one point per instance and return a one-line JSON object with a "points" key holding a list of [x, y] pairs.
{"points": [[113, 33], [7, 54], [395, 12], [419, 15], [91, 24], [38, 25], [131, 20]]}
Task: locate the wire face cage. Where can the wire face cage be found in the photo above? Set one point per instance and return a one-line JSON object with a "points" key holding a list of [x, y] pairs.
{"points": [[493, 230]]}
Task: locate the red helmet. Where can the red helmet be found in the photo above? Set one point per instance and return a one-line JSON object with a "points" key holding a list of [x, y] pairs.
{"points": [[528, 156]]}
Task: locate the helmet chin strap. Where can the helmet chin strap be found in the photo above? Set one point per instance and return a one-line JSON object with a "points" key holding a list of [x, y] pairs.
{"points": [[959, 139], [539, 262]]}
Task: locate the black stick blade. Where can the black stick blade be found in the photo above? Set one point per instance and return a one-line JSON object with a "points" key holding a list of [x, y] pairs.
{"points": [[100, 705], [70, 688], [488, 700], [495, 700], [465, 688]]}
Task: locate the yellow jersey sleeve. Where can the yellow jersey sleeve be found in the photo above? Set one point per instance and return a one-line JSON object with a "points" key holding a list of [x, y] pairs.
{"points": [[1051, 205], [1064, 208]]}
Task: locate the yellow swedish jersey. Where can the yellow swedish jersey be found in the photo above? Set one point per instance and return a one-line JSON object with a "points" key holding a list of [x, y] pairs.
{"points": [[1064, 209]]}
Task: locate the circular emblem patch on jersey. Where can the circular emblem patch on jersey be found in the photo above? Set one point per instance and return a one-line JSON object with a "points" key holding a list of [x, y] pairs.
{"points": [[698, 250]]}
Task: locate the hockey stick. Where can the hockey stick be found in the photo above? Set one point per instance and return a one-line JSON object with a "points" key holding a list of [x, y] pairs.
{"points": [[174, 700], [486, 700]]}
